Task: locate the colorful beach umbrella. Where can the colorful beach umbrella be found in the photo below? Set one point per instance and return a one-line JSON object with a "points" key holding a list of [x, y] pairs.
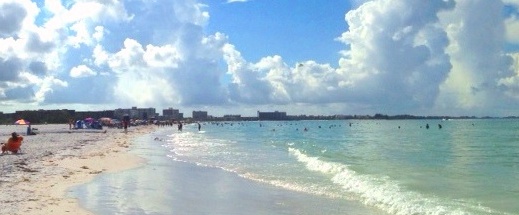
{"points": [[22, 122], [105, 120]]}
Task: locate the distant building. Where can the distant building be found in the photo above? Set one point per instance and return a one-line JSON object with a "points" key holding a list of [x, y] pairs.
{"points": [[272, 115], [93, 114], [199, 115], [232, 117], [172, 114], [136, 113]]}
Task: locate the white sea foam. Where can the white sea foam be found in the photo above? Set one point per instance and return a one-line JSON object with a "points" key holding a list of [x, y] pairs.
{"points": [[290, 185], [383, 193], [369, 167]]}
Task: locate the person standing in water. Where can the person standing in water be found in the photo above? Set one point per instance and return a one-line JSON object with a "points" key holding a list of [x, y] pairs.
{"points": [[199, 126]]}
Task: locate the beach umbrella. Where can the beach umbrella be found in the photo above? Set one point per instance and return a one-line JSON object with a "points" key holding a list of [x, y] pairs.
{"points": [[105, 120], [22, 122]]}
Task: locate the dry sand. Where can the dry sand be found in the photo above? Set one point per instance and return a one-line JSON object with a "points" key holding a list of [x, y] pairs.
{"points": [[35, 181]]}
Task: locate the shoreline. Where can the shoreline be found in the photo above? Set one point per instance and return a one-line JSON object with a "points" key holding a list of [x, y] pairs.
{"points": [[36, 181], [169, 186]]}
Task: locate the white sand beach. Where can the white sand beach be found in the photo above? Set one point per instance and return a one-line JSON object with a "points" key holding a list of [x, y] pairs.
{"points": [[35, 181]]}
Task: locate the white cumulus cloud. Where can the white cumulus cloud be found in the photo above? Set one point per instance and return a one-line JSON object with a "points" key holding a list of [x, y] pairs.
{"points": [[399, 56], [81, 71]]}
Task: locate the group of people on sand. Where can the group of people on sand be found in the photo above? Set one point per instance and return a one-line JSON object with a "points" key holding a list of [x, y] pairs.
{"points": [[13, 144]]}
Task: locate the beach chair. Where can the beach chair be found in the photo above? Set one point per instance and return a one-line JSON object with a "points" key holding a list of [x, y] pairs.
{"points": [[14, 145]]}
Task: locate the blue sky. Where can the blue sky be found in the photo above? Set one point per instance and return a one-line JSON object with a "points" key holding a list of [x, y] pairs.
{"points": [[298, 30], [450, 57]]}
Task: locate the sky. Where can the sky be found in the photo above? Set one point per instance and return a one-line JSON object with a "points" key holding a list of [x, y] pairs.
{"points": [[314, 57]]}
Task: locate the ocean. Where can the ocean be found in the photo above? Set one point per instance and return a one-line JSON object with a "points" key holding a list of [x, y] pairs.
{"points": [[318, 167]]}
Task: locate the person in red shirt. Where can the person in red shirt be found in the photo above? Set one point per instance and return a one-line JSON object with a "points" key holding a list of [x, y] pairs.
{"points": [[13, 143]]}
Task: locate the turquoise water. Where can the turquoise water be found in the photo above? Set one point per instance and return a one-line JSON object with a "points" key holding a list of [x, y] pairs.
{"points": [[388, 167]]}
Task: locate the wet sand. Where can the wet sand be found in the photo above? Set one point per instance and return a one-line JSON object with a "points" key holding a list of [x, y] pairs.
{"points": [[165, 185]]}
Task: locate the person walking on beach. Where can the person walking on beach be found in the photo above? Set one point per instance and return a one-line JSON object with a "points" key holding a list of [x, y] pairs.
{"points": [[13, 143], [126, 122], [70, 123]]}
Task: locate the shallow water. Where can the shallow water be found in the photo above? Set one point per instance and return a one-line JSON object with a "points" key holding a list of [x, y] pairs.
{"points": [[166, 185], [365, 167]]}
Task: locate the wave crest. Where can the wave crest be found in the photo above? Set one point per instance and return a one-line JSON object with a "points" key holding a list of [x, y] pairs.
{"points": [[383, 193]]}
